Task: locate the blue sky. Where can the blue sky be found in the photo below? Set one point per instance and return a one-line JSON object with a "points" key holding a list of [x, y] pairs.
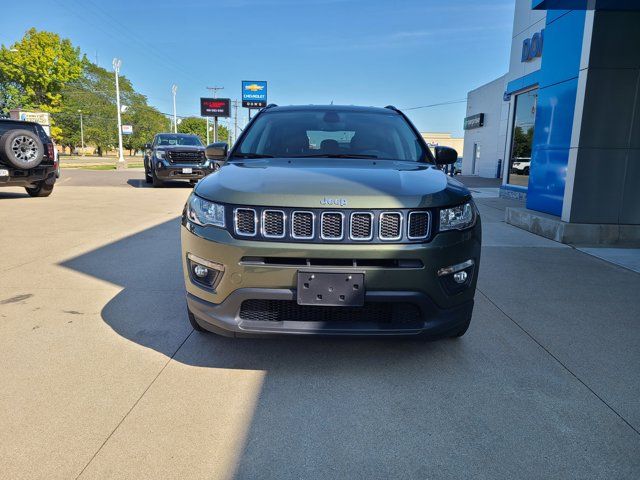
{"points": [[405, 53]]}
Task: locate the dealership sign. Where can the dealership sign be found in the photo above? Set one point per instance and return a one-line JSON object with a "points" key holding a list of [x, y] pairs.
{"points": [[38, 117], [215, 107], [474, 121], [127, 129], [532, 47], [254, 94]]}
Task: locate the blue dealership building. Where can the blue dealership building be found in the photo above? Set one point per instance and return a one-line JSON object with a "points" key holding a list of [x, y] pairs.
{"points": [[562, 127]]}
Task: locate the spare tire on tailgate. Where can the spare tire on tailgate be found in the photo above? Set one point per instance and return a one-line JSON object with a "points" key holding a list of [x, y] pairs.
{"points": [[21, 149]]}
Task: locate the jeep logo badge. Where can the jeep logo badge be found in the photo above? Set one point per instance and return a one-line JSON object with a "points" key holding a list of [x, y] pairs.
{"points": [[334, 201]]}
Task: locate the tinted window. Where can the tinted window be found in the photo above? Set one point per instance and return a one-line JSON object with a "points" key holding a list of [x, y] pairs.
{"points": [[311, 133], [170, 140]]}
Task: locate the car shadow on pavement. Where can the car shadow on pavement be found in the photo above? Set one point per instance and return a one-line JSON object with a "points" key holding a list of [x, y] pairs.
{"points": [[140, 183], [10, 195]]}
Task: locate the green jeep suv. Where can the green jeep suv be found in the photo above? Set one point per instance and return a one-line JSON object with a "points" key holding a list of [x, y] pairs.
{"points": [[330, 220]]}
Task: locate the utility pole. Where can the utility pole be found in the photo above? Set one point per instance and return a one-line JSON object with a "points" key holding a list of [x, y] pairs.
{"points": [[116, 68], [215, 119], [235, 120], [207, 120], [81, 132], [174, 89]]}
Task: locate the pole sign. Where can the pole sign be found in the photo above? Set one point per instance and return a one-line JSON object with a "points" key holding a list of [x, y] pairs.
{"points": [[127, 129], [474, 121], [254, 94], [215, 107]]}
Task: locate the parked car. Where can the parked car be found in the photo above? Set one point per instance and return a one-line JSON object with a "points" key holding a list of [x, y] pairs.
{"points": [[27, 157], [521, 165], [364, 237], [457, 167], [175, 156]]}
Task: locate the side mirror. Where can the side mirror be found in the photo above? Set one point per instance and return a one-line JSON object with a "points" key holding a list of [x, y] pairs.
{"points": [[446, 156], [216, 151], [147, 146]]}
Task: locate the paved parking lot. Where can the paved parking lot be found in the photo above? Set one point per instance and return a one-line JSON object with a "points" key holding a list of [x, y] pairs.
{"points": [[102, 376]]}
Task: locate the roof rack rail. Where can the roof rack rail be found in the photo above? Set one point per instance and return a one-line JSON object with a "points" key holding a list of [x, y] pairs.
{"points": [[391, 107], [271, 105]]}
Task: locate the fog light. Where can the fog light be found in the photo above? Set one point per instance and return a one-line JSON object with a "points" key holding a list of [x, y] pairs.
{"points": [[202, 272], [460, 277]]}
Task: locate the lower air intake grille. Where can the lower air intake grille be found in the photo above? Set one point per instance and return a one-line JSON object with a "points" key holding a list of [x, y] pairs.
{"points": [[245, 222], [289, 310], [273, 223], [331, 226], [390, 226], [302, 225]]}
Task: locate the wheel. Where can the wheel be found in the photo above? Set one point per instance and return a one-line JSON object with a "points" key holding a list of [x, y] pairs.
{"points": [[194, 323], [155, 180], [462, 330], [526, 171], [147, 176], [40, 190], [21, 149]]}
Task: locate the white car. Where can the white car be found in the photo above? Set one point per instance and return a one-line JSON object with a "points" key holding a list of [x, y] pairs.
{"points": [[521, 166]]}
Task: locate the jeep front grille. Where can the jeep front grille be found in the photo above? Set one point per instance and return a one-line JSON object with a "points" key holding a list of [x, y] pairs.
{"points": [[331, 227], [314, 225], [245, 222]]}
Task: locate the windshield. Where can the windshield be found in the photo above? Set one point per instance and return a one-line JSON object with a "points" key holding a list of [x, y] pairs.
{"points": [[331, 133], [170, 140]]}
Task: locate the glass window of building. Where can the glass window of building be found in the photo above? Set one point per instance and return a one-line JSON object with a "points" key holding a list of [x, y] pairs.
{"points": [[522, 138]]}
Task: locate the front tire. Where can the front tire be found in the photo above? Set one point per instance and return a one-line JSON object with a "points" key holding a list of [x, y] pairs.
{"points": [[147, 175], [40, 190], [155, 181]]}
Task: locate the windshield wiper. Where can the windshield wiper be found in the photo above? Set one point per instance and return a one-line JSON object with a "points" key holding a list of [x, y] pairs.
{"points": [[251, 155], [337, 155]]}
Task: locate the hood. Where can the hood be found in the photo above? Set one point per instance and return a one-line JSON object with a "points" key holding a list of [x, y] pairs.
{"points": [[332, 183], [184, 148]]}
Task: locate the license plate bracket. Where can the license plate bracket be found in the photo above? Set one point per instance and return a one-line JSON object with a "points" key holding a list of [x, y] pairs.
{"points": [[333, 289]]}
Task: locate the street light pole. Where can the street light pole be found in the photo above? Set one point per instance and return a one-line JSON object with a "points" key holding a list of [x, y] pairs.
{"points": [[174, 89], [116, 68], [81, 132]]}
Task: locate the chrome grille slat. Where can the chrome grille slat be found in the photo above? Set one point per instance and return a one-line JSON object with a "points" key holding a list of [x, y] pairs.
{"points": [[418, 225], [273, 224], [332, 226], [361, 226], [302, 225], [390, 227], [245, 221]]}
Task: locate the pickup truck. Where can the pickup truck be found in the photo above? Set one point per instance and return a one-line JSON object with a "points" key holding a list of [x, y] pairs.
{"points": [[27, 157]]}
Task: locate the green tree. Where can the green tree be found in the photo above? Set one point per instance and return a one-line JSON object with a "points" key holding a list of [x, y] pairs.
{"points": [[198, 126], [34, 70]]}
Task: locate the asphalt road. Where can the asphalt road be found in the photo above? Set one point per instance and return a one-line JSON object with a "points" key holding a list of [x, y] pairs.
{"points": [[102, 376]]}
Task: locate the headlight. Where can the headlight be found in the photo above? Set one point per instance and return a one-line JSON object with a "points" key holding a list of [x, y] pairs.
{"points": [[202, 212], [457, 218], [160, 154]]}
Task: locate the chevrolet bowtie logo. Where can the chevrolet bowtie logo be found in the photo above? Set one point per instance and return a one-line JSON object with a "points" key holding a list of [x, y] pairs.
{"points": [[254, 88]]}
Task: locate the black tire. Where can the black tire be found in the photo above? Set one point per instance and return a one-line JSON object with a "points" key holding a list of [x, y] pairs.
{"points": [[526, 171], [147, 176], [194, 323], [21, 149], [155, 181], [40, 190]]}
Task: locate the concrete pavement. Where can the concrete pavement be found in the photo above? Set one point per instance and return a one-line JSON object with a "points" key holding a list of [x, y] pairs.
{"points": [[104, 378]]}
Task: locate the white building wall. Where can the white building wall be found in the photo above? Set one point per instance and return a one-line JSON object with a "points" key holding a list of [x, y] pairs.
{"points": [[494, 137], [488, 100]]}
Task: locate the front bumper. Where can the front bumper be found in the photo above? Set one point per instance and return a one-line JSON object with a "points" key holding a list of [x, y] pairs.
{"points": [[440, 312], [174, 171], [28, 178]]}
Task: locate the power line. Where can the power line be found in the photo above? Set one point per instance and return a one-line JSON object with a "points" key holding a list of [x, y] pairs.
{"points": [[449, 102]]}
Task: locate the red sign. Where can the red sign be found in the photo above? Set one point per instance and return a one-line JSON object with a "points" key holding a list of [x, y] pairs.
{"points": [[215, 107]]}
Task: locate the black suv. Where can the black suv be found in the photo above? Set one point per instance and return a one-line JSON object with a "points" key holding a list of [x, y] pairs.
{"points": [[27, 157], [175, 156]]}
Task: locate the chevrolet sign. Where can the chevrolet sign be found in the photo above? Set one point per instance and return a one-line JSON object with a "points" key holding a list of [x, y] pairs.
{"points": [[254, 94]]}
